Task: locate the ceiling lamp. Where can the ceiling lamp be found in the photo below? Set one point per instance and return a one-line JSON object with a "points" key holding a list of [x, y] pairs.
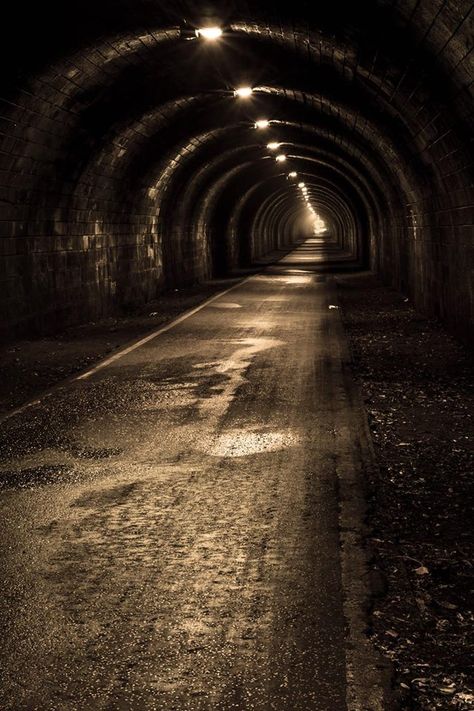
{"points": [[262, 123], [293, 174], [281, 158], [301, 185], [243, 92], [273, 146], [209, 33]]}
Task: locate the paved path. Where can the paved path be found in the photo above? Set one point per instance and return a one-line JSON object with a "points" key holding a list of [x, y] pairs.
{"points": [[171, 524]]}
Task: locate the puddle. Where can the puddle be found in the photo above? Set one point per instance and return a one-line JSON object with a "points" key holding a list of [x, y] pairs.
{"points": [[242, 443], [224, 305], [294, 280]]}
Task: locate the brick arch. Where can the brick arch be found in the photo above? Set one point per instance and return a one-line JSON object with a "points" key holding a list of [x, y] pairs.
{"points": [[91, 126]]}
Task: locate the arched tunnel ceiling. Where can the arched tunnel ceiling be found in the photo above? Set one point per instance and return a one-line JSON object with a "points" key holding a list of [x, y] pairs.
{"points": [[121, 129]]}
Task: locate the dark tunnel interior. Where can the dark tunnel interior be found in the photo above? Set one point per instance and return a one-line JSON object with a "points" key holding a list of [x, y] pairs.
{"points": [[235, 380], [130, 166]]}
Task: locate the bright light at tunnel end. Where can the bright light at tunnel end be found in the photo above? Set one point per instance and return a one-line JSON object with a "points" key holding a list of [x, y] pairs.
{"points": [[209, 33], [243, 92]]}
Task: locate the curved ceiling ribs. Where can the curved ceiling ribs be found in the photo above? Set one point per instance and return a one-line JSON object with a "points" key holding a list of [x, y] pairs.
{"points": [[129, 165]]}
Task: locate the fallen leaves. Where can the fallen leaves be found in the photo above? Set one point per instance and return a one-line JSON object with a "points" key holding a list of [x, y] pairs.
{"points": [[421, 570], [417, 383]]}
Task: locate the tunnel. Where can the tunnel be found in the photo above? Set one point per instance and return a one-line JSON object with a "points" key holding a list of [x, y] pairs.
{"points": [[130, 166], [235, 379]]}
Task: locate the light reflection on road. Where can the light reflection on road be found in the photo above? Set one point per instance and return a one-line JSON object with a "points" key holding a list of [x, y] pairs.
{"points": [[242, 443]]}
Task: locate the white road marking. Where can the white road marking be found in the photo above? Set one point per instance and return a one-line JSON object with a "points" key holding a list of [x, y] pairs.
{"points": [[125, 351], [121, 353]]}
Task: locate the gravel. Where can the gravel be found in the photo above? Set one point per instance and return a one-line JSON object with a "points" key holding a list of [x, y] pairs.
{"points": [[416, 381]]}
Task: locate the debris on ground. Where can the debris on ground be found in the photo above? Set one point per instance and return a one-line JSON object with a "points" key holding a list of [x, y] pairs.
{"points": [[417, 385], [416, 382]]}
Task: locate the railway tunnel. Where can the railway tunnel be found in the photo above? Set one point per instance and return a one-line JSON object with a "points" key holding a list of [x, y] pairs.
{"points": [[282, 151]]}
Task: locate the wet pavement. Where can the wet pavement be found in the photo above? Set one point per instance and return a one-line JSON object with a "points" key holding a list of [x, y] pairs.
{"points": [[171, 522]]}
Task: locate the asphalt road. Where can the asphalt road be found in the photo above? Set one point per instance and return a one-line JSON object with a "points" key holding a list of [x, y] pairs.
{"points": [[171, 522]]}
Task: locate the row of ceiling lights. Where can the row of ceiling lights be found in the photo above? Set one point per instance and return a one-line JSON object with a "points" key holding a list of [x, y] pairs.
{"points": [[318, 223], [211, 34]]}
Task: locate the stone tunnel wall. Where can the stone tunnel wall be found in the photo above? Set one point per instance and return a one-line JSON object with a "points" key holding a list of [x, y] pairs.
{"points": [[70, 248], [124, 173]]}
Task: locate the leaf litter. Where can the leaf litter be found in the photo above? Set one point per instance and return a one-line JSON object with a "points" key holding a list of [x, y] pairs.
{"points": [[417, 385]]}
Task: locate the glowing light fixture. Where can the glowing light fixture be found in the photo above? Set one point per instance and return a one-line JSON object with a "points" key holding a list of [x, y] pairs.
{"points": [[243, 92], [209, 33], [301, 185], [273, 145], [293, 174], [281, 158], [262, 123]]}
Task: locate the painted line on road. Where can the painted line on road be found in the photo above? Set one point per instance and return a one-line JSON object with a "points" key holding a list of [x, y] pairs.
{"points": [[121, 353], [129, 349]]}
